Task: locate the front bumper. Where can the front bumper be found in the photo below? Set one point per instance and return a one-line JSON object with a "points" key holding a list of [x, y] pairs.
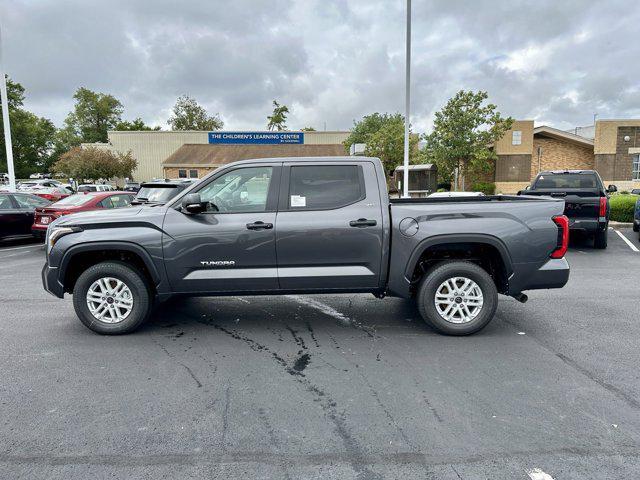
{"points": [[553, 274], [50, 281]]}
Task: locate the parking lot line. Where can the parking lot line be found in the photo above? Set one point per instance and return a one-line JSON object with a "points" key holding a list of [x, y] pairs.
{"points": [[627, 241], [20, 248]]}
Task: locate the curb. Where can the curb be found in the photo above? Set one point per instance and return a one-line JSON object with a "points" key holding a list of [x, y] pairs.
{"points": [[620, 224]]}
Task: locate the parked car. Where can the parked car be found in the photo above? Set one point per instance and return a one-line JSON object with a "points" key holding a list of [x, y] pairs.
{"points": [[635, 191], [17, 212], [636, 216], [586, 200], [26, 185], [95, 187], [159, 192], [80, 202], [37, 175], [53, 194], [336, 231], [131, 187]]}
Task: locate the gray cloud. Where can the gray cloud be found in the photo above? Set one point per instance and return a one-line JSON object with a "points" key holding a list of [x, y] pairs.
{"points": [[331, 61]]}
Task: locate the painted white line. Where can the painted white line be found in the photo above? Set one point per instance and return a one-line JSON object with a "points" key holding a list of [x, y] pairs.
{"points": [[19, 253], [537, 474], [326, 309], [627, 241], [20, 248]]}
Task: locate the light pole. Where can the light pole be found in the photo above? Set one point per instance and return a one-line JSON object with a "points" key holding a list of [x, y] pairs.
{"points": [[6, 123], [407, 105]]}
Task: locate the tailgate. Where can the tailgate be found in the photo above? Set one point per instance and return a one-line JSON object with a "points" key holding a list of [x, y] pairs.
{"points": [[578, 204]]}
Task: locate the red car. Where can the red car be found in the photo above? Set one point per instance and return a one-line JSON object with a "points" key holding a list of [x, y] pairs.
{"points": [[80, 202], [53, 194]]}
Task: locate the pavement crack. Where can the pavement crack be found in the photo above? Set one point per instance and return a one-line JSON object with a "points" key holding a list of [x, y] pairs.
{"points": [[178, 362]]}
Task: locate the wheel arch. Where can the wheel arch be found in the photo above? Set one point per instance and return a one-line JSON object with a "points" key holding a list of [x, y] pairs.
{"points": [[80, 257], [492, 253]]}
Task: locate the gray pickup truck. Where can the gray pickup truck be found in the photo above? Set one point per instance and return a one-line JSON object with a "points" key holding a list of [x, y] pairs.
{"points": [[307, 225]]}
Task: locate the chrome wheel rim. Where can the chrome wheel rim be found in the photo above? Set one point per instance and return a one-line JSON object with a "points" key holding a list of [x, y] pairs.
{"points": [[109, 300], [459, 300]]}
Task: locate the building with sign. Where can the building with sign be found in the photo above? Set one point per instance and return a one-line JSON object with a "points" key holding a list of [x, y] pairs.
{"points": [[172, 154]]}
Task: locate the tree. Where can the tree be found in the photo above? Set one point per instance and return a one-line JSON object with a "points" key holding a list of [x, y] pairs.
{"points": [[32, 136], [383, 135], [93, 115], [188, 115], [95, 163], [278, 119], [136, 125], [307, 129], [463, 134]]}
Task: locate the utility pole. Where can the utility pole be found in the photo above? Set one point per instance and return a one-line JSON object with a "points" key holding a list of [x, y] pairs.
{"points": [[407, 105], [6, 123]]}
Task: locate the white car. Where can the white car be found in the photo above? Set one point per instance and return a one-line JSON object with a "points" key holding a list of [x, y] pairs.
{"points": [[456, 194], [92, 187]]}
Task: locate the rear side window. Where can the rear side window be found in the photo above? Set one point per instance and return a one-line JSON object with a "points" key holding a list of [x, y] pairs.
{"points": [[321, 187], [567, 180], [26, 201]]}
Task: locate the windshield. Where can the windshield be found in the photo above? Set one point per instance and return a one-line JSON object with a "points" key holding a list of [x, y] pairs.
{"points": [[567, 180], [156, 194], [75, 200]]}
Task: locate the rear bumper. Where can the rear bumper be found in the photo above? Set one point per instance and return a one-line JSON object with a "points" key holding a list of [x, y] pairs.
{"points": [[50, 281], [553, 274], [588, 225]]}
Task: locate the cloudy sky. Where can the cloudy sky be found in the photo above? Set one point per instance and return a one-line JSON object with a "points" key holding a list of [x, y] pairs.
{"points": [[330, 61]]}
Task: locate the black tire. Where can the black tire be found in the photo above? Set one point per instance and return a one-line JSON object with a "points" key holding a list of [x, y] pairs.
{"points": [[635, 227], [132, 278], [441, 273], [600, 239]]}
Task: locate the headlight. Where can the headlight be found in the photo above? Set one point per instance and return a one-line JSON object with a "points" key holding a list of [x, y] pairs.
{"points": [[56, 233]]}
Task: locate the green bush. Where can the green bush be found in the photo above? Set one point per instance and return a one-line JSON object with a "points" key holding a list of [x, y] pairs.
{"points": [[487, 188], [622, 207], [442, 190]]}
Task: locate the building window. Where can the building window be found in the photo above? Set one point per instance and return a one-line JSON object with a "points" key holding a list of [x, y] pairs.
{"points": [[635, 173], [516, 137], [193, 173], [182, 174]]}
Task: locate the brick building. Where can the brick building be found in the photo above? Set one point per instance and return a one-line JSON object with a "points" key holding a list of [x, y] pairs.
{"points": [[526, 150]]}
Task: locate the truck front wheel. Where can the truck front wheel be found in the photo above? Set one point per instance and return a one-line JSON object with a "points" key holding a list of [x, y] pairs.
{"points": [[111, 298], [457, 298]]}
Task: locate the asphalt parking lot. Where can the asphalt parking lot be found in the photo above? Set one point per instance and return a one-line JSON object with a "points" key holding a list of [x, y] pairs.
{"points": [[326, 386]]}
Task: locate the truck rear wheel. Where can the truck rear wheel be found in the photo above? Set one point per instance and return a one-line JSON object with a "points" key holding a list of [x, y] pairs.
{"points": [[600, 240], [111, 298], [457, 298]]}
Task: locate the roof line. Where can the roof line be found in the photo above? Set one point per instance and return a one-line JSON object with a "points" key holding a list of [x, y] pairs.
{"points": [[562, 134]]}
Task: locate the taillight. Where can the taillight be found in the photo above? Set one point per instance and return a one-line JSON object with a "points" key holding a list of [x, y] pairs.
{"points": [[603, 207], [563, 236]]}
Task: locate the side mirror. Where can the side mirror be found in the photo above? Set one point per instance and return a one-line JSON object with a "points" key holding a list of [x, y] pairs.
{"points": [[612, 189], [192, 203]]}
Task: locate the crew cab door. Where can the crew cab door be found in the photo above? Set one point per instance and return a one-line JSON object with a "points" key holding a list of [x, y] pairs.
{"points": [[329, 231], [10, 217], [231, 246]]}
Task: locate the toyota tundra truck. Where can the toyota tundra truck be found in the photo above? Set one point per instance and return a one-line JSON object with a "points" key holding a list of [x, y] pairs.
{"points": [[307, 225]]}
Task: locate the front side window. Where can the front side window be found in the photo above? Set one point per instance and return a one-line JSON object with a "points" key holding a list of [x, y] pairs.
{"points": [[636, 167], [5, 203], [324, 186], [241, 190]]}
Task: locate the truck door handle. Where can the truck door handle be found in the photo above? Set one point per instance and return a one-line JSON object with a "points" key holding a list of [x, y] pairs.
{"points": [[362, 222], [259, 226]]}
